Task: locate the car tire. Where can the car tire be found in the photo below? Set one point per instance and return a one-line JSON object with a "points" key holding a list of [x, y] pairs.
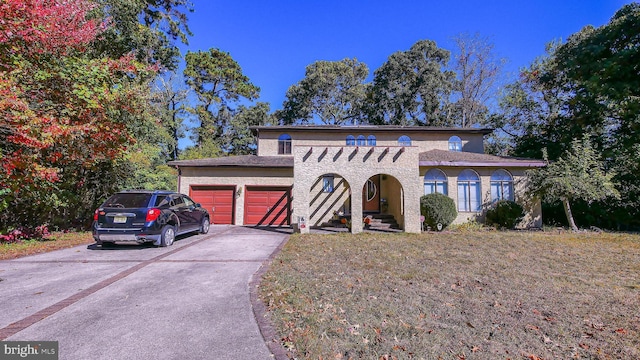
{"points": [[167, 236], [107, 244], [204, 226]]}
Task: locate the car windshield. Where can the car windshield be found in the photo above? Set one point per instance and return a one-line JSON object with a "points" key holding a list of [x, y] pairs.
{"points": [[128, 200]]}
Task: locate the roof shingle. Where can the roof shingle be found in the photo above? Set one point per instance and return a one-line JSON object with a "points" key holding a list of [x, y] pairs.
{"points": [[238, 161]]}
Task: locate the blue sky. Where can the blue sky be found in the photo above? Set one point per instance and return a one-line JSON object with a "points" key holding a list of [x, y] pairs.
{"points": [[274, 40]]}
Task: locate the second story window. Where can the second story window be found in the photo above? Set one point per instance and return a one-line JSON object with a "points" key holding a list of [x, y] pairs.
{"points": [[284, 144], [404, 140], [351, 140], [361, 140], [371, 140], [455, 144]]}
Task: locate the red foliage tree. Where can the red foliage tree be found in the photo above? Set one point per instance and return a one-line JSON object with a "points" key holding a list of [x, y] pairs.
{"points": [[58, 106]]}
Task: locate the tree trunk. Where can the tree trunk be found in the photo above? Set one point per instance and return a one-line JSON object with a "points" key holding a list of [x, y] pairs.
{"points": [[567, 211]]}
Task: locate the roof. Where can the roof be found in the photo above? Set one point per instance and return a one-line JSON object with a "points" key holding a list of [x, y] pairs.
{"points": [[238, 161], [461, 158], [371, 128]]}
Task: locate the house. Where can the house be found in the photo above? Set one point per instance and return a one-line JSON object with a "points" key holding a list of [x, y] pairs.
{"points": [[304, 175]]}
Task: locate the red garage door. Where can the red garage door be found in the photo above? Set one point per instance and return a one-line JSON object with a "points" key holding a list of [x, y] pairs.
{"points": [[267, 205], [218, 200]]}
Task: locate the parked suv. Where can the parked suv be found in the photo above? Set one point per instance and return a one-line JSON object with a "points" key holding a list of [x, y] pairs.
{"points": [[148, 216]]}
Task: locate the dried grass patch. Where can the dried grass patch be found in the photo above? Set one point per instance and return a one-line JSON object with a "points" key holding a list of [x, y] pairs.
{"points": [[457, 296], [56, 241]]}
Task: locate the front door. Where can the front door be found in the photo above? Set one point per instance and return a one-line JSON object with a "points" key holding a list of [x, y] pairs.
{"points": [[371, 195]]}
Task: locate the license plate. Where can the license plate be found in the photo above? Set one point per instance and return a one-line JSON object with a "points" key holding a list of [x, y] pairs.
{"points": [[119, 219]]}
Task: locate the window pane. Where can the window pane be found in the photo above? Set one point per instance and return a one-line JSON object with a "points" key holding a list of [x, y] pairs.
{"points": [[351, 140], [508, 191], [463, 198], [404, 140], [429, 188], [495, 191], [442, 188], [371, 140], [474, 202], [327, 184], [455, 144]]}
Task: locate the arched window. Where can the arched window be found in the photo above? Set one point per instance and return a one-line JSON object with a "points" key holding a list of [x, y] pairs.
{"points": [[455, 143], [435, 181], [284, 144], [351, 140], [468, 191], [404, 140], [361, 140], [501, 186], [371, 140]]}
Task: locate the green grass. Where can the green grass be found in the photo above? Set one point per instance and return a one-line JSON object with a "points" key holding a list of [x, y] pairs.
{"points": [[55, 241], [457, 295]]}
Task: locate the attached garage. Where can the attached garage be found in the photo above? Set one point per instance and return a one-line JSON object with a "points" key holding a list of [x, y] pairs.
{"points": [[218, 200], [268, 206]]}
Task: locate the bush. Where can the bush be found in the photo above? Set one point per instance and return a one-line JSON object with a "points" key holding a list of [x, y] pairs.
{"points": [[505, 214], [438, 209]]}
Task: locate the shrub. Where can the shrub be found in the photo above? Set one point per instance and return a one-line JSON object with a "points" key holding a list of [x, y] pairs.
{"points": [[505, 214], [20, 234], [438, 209]]}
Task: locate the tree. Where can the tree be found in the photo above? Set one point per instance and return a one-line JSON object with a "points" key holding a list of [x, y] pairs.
{"points": [[412, 87], [477, 71], [148, 28], [238, 139], [587, 87], [218, 82], [65, 114], [169, 98], [577, 175], [332, 92]]}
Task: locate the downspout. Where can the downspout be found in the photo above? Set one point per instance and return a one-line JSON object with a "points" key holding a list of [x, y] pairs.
{"points": [[179, 177]]}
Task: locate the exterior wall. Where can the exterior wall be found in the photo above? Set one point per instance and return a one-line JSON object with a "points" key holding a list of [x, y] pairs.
{"points": [[322, 205], [356, 165], [268, 140], [240, 177], [533, 209]]}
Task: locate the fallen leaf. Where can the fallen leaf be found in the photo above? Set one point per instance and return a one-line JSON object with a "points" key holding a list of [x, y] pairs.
{"points": [[475, 349], [584, 346], [532, 327], [621, 331], [537, 312]]}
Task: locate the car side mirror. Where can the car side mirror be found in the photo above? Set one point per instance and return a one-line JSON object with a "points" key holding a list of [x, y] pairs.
{"points": [[198, 205]]}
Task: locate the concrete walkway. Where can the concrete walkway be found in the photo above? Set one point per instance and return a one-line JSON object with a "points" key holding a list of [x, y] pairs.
{"points": [[187, 301]]}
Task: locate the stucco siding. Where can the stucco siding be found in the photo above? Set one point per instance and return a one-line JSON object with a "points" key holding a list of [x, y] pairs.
{"points": [[533, 210], [268, 140], [239, 177]]}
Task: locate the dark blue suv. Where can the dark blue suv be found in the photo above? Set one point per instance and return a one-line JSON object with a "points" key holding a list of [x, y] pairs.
{"points": [[148, 216]]}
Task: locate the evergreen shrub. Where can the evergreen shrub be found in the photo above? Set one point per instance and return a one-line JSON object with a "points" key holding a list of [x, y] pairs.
{"points": [[505, 214], [438, 209]]}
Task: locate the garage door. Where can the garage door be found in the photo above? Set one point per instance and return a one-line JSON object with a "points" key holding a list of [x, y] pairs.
{"points": [[267, 206], [218, 200]]}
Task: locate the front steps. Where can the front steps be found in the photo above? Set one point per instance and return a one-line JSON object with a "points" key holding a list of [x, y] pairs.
{"points": [[377, 222]]}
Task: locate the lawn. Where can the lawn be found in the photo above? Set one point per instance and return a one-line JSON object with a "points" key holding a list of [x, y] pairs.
{"points": [[481, 295], [55, 241]]}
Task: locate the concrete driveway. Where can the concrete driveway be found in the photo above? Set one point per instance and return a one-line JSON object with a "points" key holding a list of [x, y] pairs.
{"points": [[187, 301]]}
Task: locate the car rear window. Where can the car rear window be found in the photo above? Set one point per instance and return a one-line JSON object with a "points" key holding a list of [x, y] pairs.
{"points": [[128, 200]]}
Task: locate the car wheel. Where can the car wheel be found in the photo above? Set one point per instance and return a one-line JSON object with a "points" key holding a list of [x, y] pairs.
{"points": [[167, 236], [204, 227], [106, 244]]}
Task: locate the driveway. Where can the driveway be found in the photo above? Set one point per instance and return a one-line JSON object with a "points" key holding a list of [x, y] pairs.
{"points": [[187, 301]]}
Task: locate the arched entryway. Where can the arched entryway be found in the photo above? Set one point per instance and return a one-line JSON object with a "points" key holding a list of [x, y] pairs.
{"points": [[383, 202]]}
